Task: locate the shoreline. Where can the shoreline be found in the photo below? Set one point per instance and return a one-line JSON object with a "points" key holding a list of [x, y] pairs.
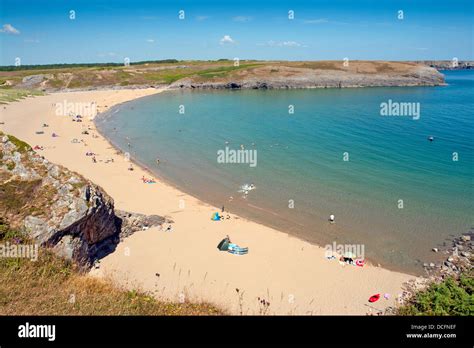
{"points": [[168, 182], [290, 279]]}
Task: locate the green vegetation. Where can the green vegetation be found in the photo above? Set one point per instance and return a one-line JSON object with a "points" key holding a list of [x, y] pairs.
{"points": [[165, 72], [54, 286], [450, 297], [21, 146], [7, 234], [17, 194], [55, 83], [11, 165], [223, 70], [139, 73], [10, 95], [80, 65], [323, 65]]}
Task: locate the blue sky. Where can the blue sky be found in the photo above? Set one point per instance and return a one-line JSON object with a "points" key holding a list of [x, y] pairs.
{"points": [[41, 31]]}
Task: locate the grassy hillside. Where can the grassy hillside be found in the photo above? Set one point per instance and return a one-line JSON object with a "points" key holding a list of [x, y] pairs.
{"points": [[169, 71], [53, 286]]}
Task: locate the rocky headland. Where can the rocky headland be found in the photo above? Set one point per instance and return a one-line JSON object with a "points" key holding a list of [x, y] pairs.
{"points": [[60, 209], [334, 76]]}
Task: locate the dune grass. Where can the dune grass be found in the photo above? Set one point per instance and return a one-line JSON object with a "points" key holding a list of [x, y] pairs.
{"points": [[8, 95]]}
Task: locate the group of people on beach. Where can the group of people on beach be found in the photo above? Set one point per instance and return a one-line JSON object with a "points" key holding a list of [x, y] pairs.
{"points": [[148, 180]]}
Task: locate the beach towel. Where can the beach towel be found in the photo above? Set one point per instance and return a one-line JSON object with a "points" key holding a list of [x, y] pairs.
{"points": [[236, 250], [216, 217]]}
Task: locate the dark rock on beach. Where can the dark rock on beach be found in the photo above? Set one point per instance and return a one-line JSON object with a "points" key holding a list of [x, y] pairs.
{"points": [[460, 258], [133, 222]]}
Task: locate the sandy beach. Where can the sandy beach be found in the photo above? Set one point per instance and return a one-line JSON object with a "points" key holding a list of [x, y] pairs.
{"points": [[293, 276]]}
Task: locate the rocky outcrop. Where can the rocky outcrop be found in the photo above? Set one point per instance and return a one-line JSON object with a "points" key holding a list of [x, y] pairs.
{"points": [[31, 81], [60, 209], [278, 77], [133, 222], [460, 258], [448, 64]]}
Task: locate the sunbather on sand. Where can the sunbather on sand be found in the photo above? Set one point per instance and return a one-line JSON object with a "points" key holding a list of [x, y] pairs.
{"points": [[148, 181]]}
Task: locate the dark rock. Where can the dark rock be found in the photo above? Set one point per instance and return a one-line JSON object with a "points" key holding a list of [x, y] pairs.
{"points": [[133, 222], [233, 85]]}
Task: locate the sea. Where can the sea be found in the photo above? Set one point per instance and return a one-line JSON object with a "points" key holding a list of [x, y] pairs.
{"points": [[393, 165]]}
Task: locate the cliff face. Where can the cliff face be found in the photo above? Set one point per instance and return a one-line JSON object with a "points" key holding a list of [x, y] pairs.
{"points": [[361, 74], [59, 208]]}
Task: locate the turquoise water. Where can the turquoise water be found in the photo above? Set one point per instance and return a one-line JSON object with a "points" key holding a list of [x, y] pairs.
{"points": [[300, 158]]}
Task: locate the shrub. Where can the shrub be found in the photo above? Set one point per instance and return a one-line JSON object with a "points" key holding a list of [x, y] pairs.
{"points": [[450, 297]]}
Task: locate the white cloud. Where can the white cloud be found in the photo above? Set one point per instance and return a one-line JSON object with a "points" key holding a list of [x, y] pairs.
{"points": [[150, 40], [272, 43], [110, 54], [241, 19], [290, 44], [316, 21], [9, 29], [226, 40]]}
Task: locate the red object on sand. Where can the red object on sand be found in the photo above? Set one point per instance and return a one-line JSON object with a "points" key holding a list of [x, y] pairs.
{"points": [[374, 298]]}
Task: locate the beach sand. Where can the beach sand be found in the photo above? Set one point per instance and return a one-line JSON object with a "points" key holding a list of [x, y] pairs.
{"points": [[292, 275]]}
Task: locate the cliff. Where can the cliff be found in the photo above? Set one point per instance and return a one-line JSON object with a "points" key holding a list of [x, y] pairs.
{"points": [[58, 208], [320, 75]]}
